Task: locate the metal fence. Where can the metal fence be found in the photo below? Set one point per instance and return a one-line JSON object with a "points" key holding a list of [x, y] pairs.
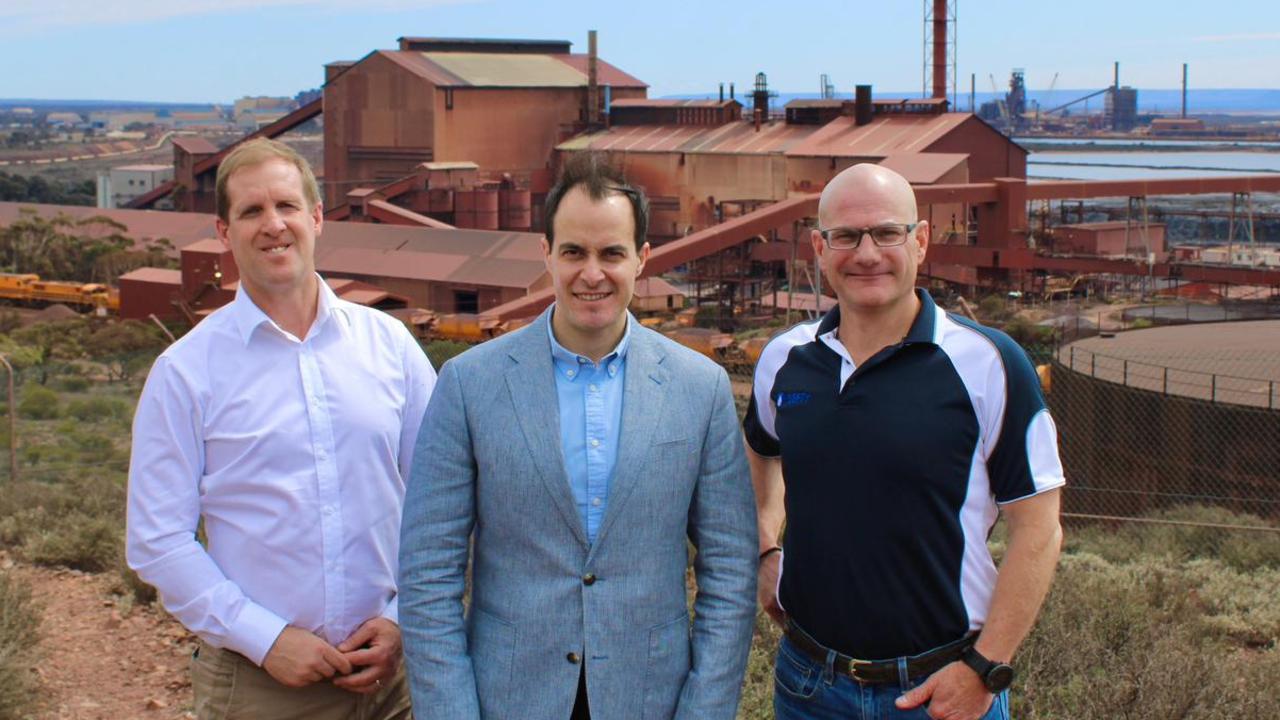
{"points": [[1170, 438]]}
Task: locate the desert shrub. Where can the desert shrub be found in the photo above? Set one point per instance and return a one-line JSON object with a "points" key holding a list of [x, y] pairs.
{"points": [[132, 586], [1144, 640], [77, 522], [440, 351], [1183, 533], [19, 630], [993, 308], [98, 408], [38, 403], [73, 384]]}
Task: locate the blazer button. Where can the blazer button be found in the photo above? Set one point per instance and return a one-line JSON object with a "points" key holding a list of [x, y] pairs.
{"points": [[589, 579], [573, 658]]}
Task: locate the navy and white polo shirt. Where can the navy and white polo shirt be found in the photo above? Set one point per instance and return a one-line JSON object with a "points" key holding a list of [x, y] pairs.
{"points": [[893, 472]]}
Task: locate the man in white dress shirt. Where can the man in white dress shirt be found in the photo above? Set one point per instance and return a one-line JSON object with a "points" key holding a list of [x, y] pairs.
{"points": [[285, 421]]}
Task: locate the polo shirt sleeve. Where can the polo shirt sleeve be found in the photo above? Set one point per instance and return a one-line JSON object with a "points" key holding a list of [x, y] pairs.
{"points": [[760, 425], [1025, 460]]}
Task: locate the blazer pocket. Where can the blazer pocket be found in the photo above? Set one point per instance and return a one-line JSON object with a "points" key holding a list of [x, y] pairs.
{"points": [[493, 650], [668, 667]]}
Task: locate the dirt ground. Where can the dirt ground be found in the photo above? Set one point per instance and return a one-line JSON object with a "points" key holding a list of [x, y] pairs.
{"points": [[101, 657]]}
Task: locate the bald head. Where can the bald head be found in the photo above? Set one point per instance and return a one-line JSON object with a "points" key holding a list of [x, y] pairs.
{"points": [[869, 189]]}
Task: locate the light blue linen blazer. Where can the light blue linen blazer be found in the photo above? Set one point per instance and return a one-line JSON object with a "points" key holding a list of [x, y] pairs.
{"points": [[488, 476]]}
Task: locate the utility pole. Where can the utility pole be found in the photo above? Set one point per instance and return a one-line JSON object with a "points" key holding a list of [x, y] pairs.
{"points": [[13, 426]]}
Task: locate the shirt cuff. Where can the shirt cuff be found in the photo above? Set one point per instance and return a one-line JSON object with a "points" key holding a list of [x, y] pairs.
{"points": [[392, 610], [254, 632]]}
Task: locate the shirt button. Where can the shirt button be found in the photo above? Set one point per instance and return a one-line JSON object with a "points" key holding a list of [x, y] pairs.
{"points": [[573, 658], [328, 510], [589, 579], [592, 387], [595, 442], [571, 373], [613, 369], [595, 502]]}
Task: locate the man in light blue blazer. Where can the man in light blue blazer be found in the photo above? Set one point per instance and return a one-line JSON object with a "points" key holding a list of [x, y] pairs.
{"points": [[576, 456]]}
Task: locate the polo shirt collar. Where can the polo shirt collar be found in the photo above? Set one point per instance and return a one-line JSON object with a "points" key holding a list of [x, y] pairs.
{"points": [[924, 329]]}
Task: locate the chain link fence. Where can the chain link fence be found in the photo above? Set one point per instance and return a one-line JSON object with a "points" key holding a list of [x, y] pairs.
{"points": [[1176, 426]]}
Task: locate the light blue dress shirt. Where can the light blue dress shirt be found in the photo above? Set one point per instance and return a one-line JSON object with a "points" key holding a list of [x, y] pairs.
{"points": [[590, 396]]}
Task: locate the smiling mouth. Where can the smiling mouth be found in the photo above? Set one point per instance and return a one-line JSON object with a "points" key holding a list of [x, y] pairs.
{"points": [[276, 249], [592, 297]]}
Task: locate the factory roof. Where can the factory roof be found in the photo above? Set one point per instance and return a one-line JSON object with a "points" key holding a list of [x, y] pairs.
{"points": [[483, 257], [144, 167], [733, 137], [194, 144], [655, 287], [649, 102], [154, 275], [884, 135], [521, 70], [924, 168]]}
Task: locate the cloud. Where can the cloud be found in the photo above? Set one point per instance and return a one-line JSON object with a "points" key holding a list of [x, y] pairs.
{"points": [[1239, 37], [33, 16]]}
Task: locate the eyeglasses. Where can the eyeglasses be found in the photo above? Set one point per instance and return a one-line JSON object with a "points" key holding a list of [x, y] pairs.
{"points": [[881, 235]]}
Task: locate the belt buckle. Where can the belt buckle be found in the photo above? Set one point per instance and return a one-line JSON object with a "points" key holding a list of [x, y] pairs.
{"points": [[854, 664]]}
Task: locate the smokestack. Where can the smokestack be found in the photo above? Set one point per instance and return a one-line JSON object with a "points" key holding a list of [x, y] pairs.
{"points": [[760, 99], [731, 95], [940, 49], [862, 104], [593, 81], [1117, 83], [721, 92], [973, 92], [1184, 91]]}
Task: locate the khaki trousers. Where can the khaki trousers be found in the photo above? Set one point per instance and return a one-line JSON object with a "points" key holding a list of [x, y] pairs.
{"points": [[227, 686]]}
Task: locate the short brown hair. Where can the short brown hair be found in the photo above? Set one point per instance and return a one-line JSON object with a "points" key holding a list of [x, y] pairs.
{"points": [[600, 179], [256, 152]]}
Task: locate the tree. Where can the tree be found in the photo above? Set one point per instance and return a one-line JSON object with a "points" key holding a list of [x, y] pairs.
{"points": [[57, 344], [124, 347]]}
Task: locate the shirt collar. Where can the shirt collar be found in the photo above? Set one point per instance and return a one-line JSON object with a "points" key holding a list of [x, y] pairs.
{"points": [[923, 328], [248, 316], [567, 361]]}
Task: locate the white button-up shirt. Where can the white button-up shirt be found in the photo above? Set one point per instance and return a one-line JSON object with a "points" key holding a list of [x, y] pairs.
{"points": [[295, 454]]}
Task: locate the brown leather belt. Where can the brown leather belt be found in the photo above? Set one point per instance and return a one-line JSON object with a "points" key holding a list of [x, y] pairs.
{"points": [[875, 672]]}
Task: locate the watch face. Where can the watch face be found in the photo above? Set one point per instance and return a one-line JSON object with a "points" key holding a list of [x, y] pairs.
{"points": [[999, 678]]}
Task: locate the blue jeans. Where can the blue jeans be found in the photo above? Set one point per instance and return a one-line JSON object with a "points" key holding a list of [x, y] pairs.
{"points": [[807, 690]]}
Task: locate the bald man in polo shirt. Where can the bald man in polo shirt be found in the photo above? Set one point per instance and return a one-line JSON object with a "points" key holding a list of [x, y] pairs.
{"points": [[890, 436]]}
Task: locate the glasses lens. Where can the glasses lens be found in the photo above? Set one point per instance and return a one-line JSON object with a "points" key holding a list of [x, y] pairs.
{"points": [[889, 235], [843, 239]]}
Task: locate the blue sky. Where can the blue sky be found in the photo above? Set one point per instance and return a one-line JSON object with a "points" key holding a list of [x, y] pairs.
{"points": [[218, 50]]}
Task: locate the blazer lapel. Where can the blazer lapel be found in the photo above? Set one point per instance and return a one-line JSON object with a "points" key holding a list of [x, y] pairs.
{"points": [[642, 411], [531, 382]]}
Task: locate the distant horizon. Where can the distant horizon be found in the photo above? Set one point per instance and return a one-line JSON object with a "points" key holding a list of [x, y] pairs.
{"points": [[1217, 99]]}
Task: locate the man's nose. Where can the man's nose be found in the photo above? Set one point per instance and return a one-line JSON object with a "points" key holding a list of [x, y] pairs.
{"points": [[273, 222], [593, 272]]}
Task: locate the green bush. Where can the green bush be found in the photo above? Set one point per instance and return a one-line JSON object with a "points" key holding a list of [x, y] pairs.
{"points": [[77, 522], [1145, 639], [19, 631], [1184, 533], [440, 351], [97, 408], [73, 384], [38, 403]]}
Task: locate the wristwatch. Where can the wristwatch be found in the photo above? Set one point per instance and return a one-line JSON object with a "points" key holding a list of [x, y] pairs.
{"points": [[996, 676]]}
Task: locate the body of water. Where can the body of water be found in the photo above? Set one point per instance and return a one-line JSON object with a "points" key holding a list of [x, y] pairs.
{"points": [[1094, 164]]}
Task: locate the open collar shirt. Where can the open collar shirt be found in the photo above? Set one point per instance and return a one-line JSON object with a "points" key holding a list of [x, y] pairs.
{"points": [[294, 452], [590, 397]]}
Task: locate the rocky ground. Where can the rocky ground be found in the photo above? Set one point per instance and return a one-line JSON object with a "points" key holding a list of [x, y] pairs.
{"points": [[102, 657]]}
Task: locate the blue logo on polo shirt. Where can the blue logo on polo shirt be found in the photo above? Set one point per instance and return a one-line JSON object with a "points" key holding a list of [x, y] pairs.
{"points": [[791, 399]]}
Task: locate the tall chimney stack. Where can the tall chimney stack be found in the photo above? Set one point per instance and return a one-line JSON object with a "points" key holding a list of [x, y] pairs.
{"points": [[940, 49], [1184, 91], [593, 81], [862, 109], [1117, 82]]}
